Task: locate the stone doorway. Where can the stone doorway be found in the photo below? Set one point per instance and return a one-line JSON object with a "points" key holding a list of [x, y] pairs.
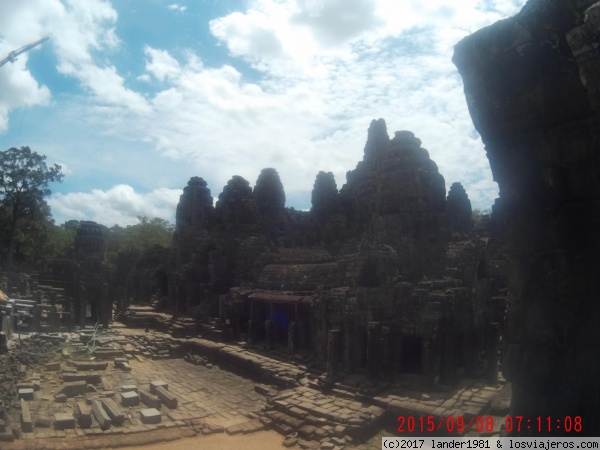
{"points": [[412, 354]]}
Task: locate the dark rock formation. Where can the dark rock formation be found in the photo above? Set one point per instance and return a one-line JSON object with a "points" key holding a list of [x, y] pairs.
{"points": [[458, 207], [531, 84]]}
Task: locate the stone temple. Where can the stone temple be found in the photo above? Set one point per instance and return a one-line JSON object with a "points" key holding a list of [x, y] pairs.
{"points": [[384, 301]]}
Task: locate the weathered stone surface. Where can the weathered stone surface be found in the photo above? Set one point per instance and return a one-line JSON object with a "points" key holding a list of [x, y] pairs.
{"points": [[531, 87]]}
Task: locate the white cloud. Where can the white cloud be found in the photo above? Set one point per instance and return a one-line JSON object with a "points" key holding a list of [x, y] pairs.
{"points": [[118, 205], [324, 72], [176, 7], [76, 30]]}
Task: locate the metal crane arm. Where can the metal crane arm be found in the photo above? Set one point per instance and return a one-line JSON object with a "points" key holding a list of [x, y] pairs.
{"points": [[12, 56]]}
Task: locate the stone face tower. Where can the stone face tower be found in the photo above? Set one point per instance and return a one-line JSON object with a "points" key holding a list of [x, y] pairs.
{"points": [[91, 275], [531, 84], [459, 209], [397, 196]]}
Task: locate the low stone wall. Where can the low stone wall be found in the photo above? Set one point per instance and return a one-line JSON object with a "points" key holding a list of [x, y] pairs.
{"points": [[246, 364]]}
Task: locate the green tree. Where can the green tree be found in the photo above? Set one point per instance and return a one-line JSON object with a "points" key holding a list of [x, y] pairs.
{"points": [[24, 179]]}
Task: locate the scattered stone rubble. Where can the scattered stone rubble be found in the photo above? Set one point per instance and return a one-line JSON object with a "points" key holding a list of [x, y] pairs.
{"points": [[92, 399]]}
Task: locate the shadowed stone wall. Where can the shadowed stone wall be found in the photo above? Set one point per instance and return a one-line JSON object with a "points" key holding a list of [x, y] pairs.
{"points": [[533, 91]]}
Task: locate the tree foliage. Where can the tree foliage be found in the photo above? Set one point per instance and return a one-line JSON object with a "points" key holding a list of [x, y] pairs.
{"points": [[24, 180], [140, 238]]}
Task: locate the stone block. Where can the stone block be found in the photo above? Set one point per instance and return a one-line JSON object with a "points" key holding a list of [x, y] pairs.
{"points": [[90, 365], [108, 353], [73, 388], [26, 393], [150, 400], [130, 398], [114, 411], [155, 384], [89, 378], [60, 398], [53, 367], [125, 367], [64, 421], [166, 397], [101, 415], [26, 424], [150, 416], [129, 387], [119, 361], [84, 414]]}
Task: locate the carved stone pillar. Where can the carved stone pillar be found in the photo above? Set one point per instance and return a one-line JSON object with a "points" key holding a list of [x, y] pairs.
{"points": [[374, 349], [333, 353], [268, 334], [292, 341]]}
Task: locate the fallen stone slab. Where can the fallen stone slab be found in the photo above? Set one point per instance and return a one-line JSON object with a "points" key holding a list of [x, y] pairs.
{"points": [[166, 397], [101, 415], [156, 384], [114, 411], [150, 416], [64, 421], [72, 388], [150, 400], [89, 378], [26, 423], [84, 414]]}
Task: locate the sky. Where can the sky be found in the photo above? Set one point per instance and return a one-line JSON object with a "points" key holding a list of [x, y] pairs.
{"points": [[134, 97]]}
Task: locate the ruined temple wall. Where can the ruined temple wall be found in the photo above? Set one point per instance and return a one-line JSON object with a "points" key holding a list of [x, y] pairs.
{"points": [[531, 84]]}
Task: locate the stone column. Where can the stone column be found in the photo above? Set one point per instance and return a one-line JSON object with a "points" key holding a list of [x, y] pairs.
{"points": [[350, 338], [105, 307], [54, 321], [292, 341], [333, 353], [493, 343], [268, 334], [37, 318], [374, 349]]}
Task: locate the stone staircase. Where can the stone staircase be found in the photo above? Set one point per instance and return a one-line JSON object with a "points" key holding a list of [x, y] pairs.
{"points": [[310, 418]]}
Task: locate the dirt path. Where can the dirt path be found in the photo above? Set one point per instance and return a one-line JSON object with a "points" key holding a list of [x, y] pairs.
{"points": [[261, 440]]}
